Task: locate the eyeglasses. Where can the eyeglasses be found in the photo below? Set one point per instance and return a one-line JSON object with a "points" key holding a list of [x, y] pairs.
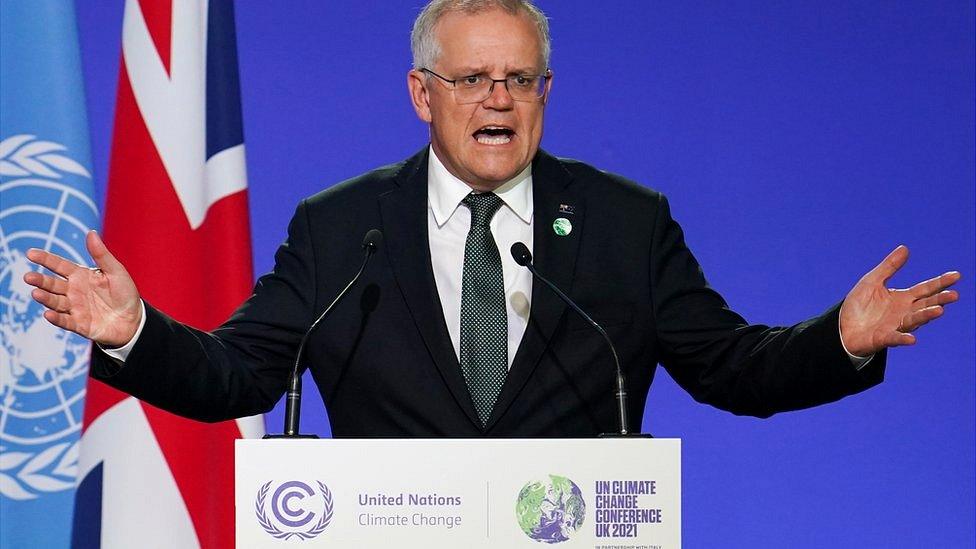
{"points": [[478, 87]]}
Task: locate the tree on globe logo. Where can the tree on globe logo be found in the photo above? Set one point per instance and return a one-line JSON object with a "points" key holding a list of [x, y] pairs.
{"points": [[43, 369], [550, 510]]}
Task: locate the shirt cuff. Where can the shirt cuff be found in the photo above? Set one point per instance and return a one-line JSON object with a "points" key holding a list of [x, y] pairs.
{"points": [[859, 362], [122, 353]]}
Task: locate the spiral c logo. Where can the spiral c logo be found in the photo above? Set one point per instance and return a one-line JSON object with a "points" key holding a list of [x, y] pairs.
{"points": [[294, 508], [294, 489]]}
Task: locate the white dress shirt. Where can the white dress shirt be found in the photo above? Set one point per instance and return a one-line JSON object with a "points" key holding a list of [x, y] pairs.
{"points": [[448, 221]]}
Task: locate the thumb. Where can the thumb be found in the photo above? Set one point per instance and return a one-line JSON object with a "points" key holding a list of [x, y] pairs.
{"points": [[890, 264], [104, 259]]}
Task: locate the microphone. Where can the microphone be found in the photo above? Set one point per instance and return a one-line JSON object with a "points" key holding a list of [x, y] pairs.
{"points": [[523, 257], [293, 402]]}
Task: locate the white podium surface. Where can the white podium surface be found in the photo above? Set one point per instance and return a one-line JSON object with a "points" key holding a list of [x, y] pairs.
{"points": [[459, 493]]}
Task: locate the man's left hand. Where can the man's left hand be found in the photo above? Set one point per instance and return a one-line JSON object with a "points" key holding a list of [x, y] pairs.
{"points": [[874, 317]]}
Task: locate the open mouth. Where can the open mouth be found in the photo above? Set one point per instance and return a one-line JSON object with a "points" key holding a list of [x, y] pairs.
{"points": [[493, 135]]}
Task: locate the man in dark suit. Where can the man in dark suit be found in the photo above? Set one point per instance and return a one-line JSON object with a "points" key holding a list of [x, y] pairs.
{"points": [[445, 335]]}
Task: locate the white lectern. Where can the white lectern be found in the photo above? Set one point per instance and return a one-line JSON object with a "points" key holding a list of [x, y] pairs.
{"points": [[459, 493]]}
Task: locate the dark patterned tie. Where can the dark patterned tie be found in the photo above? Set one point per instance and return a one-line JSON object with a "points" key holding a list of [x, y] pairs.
{"points": [[484, 322]]}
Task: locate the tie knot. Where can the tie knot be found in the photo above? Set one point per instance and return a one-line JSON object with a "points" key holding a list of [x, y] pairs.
{"points": [[483, 207]]}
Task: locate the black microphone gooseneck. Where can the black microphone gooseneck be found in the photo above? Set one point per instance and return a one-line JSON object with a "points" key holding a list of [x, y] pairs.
{"points": [[293, 402], [523, 257]]}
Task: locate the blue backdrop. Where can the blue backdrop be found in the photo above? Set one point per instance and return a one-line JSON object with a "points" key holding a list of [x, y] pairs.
{"points": [[798, 142]]}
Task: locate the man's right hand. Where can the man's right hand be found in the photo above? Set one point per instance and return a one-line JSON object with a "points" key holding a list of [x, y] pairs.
{"points": [[101, 303]]}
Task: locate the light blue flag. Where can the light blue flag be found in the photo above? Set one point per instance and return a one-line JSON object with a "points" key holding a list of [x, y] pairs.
{"points": [[45, 202]]}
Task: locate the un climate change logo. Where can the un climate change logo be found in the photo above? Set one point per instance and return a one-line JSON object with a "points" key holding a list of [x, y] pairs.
{"points": [[42, 368], [294, 508], [550, 510]]}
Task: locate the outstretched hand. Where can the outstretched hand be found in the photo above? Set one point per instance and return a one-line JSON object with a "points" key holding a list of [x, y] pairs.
{"points": [[100, 303], [874, 317]]}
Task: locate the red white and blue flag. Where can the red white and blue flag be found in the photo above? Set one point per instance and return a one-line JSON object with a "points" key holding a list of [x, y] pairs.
{"points": [[176, 216]]}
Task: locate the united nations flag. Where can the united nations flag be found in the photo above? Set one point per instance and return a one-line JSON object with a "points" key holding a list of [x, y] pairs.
{"points": [[45, 202]]}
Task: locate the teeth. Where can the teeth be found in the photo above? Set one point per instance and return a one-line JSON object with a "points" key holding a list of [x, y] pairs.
{"points": [[493, 140]]}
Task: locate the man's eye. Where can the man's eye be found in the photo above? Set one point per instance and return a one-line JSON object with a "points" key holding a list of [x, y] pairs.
{"points": [[472, 80], [523, 81]]}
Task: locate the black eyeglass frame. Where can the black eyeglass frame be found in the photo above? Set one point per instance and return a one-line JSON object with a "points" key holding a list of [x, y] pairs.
{"points": [[491, 89]]}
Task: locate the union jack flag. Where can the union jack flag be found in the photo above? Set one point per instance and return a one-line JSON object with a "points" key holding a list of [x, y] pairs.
{"points": [[176, 216]]}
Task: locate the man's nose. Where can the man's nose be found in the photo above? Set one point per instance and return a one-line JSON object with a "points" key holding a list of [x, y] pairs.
{"points": [[498, 97]]}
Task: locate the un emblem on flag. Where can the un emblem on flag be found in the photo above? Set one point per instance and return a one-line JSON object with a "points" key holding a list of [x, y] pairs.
{"points": [[43, 369]]}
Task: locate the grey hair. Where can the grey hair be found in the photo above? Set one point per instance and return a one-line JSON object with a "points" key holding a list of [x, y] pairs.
{"points": [[424, 45]]}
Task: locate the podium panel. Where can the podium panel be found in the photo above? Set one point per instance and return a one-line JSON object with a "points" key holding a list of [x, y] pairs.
{"points": [[459, 493]]}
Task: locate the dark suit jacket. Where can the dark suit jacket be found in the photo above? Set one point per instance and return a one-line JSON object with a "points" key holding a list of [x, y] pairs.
{"points": [[384, 362]]}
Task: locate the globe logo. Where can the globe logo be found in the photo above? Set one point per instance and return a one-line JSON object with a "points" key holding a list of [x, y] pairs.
{"points": [[550, 511], [42, 368]]}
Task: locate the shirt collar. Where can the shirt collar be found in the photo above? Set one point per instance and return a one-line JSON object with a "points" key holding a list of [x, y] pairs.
{"points": [[445, 191]]}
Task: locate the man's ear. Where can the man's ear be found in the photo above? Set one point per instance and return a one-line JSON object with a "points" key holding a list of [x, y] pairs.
{"points": [[418, 94]]}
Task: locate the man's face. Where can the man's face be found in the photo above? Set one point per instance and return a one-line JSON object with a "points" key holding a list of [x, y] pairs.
{"points": [[497, 44]]}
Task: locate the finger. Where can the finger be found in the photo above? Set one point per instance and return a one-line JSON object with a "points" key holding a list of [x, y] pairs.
{"points": [[61, 320], [890, 265], [53, 262], [934, 285], [898, 339], [100, 254], [54, 302], [53, 284], [941, 298], [920, 318]]}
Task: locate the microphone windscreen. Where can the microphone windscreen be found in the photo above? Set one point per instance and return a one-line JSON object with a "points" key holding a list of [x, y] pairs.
{"points": [[373, 239], [521, 254]]}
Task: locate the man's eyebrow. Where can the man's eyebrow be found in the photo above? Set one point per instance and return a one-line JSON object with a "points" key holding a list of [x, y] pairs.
{"points": [[472, 70], [469, 70], [525, 70]]}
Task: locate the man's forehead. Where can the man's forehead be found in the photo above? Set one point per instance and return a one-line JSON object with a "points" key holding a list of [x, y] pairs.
{"points": [[493, 40]]}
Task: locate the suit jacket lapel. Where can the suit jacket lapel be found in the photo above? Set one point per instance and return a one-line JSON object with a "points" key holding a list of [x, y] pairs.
{"points": [[404, 213], [555, 258]]}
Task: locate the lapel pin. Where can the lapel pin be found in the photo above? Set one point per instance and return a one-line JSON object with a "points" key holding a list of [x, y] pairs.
{"points": [[567, 209], [561, 226]]}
